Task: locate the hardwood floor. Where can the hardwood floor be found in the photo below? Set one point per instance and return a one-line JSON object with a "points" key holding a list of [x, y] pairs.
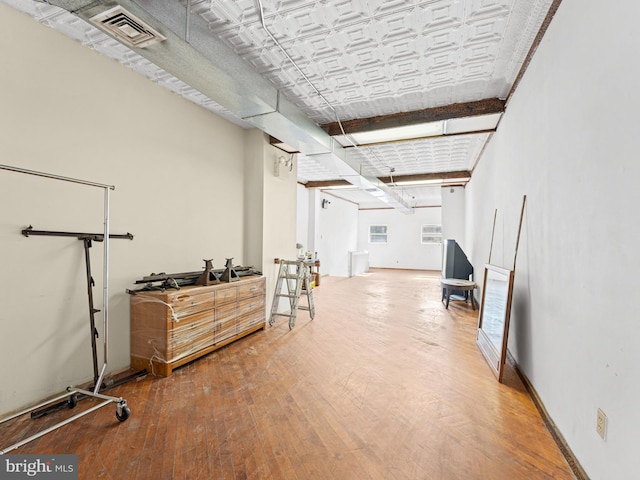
{"points": [[384, 383]]}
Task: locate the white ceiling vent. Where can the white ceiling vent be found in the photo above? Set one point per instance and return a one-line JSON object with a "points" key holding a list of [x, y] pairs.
{"points": [[127, 28]]}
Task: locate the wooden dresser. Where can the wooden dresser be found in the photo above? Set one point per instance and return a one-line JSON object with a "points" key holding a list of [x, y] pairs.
{"points": [[174, 327]]}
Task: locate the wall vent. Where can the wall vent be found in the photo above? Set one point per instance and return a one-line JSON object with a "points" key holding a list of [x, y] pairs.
{"points": [[127, 28]]}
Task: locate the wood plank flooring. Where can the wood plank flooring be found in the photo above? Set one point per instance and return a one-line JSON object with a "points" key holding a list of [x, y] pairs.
{"points": [[384, 383]]}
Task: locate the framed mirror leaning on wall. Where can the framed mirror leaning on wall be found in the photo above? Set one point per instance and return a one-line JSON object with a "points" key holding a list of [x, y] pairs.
{"points": [[493, 322]]}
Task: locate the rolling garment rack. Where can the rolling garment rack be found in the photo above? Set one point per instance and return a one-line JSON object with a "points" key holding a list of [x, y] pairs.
{"points": [[87, 239], [122, 410]]}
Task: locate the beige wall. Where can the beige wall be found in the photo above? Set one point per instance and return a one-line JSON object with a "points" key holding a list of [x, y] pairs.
{"points": [[270, 215], [179, 173]]}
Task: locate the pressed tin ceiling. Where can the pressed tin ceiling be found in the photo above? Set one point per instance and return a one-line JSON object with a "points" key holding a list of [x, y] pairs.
{"points": [[368, 64], [377, 57]]}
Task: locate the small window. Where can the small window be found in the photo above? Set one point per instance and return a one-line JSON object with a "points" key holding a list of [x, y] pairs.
{"points": [[377, 234], [431, 234]]}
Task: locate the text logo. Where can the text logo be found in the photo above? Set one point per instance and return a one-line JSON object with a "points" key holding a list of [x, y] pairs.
{"points": [[50, 467]]}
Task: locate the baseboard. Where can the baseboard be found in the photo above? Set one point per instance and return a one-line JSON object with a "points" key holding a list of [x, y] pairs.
{"points": [[571, 459]]}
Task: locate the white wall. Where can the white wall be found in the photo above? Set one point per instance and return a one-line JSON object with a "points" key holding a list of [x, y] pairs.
{"points": [[569, 142], [179, 173], [336, 235], [254, 191], [453, 214], [404, 248], [331, 232], [279, 237], [302, 218]]}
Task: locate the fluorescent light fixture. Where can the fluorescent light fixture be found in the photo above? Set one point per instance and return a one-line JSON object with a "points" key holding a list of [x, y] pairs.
{"points": [[476, 123], [340, 187], [434, 181], [471, 124], [431, 129]]}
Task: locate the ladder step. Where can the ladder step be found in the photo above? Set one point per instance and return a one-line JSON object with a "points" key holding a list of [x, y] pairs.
{"points": [[281, 314], [285, 295]]}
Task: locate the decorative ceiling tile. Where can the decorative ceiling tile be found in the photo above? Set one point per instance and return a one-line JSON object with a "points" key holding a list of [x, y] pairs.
{"points": [[441, 154], [366, 58], [360, 53], [309, 170]]}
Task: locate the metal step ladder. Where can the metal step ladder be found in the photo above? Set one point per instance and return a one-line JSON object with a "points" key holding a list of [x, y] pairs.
{"points": [[296, 276]]}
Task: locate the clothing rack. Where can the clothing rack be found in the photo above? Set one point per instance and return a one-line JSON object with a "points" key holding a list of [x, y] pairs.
{"points": [[87, 239], [122, 410]]}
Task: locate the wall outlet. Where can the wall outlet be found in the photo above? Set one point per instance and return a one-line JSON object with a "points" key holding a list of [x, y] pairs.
{"points": [[601, 424]]}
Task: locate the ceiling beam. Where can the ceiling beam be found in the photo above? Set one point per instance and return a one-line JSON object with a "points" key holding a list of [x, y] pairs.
{"points": [[282, 146], [326, 183], [455, 110], [420, 177]]}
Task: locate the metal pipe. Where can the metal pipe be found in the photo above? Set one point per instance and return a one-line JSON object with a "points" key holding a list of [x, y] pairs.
{"points": [[105, 291], [54, 427], [187, 21], [34, 407], [96, 395], [56, 177]]}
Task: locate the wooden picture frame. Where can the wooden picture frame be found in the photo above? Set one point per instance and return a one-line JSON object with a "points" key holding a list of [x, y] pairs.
{"points": [[493, 321]]}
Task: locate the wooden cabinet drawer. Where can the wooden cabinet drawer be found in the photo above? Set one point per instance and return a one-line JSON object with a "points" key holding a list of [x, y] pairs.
{"points": [[226, 295], [225, 329], [250, 305], [225, 312], [251, 289], [185, 303], [191, 334], [225, 321], [250, 320]]}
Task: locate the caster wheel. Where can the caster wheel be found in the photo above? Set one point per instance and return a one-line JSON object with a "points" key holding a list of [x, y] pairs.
{"points": [[126, 413], [72, 401]]}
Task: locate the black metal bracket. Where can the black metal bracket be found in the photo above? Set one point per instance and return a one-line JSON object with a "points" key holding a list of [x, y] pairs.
{"points": [[97, 237]]}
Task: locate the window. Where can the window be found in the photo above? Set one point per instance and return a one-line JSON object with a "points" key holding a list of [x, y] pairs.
{"points": [[377, 234], [431, 234]]}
